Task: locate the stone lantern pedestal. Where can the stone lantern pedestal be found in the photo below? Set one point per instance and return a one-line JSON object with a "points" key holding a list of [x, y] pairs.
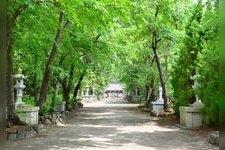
{"points": [[191, 116], [26, 113]]}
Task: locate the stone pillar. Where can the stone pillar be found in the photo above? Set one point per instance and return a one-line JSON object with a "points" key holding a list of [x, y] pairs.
{"points": [[93, 91], [136, 91], [19, 87], [86, 94], [82, 93], [87, 90]]}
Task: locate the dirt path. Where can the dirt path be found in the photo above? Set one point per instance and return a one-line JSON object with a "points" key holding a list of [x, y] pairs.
{"points": [[112, 126]]}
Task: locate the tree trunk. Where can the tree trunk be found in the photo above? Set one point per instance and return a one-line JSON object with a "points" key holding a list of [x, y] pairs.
{"points": [[152, 96], [35, 81], [70, 83], [150, 92], [9, 84], [48, 67], [161, 75], [155, 41], [10, 21], [67, 85], [9, 69], [56, 89], [77, 87]]}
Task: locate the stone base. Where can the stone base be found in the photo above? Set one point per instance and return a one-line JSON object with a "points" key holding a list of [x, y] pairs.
{"points": [[191, 117], [157, 106], [28, 114]]}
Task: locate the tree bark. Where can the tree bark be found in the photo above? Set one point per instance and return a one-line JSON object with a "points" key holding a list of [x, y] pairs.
{"points": [[77, 87], [48, 67], [9, 84], [35, 81], [9, 68], [56, 89], [67, 85]]}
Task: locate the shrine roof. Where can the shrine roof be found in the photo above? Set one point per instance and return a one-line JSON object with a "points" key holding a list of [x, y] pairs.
{"points": [[114, 87]]}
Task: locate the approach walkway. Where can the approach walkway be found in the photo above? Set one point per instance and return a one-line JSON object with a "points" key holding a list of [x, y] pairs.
{"points": [[114, 125]]}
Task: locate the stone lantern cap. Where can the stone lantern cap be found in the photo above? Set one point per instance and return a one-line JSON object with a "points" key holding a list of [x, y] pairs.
{"points": [[19, 75], [87, 86]]}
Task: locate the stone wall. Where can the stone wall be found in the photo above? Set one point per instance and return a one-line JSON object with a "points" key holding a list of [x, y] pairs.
{"points": [[213, 138], [22, 132], [55, 118]]}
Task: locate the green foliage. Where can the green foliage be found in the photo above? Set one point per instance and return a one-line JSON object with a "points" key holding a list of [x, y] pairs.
{"points": [[209, 66], [29, 100], [200, 53], [112, 40], [186, 64], [47, 106]]}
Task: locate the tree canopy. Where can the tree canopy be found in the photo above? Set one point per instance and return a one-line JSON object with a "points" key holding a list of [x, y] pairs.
{"points": [[65, 45]]}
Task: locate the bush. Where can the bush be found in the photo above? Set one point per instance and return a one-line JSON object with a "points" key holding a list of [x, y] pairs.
{"points": [[29, 100], [47, 106], [176, 104]]}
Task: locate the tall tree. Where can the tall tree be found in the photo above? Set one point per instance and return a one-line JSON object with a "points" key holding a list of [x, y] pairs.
{"points": [[208, 65], [48, 67], [12, 14], [187, 61]]}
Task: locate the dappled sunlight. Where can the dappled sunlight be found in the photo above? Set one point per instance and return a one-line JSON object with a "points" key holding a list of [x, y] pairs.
{"points": [[98, 128], [111, 105], [99, 113], [145, 129], [93, 139]]}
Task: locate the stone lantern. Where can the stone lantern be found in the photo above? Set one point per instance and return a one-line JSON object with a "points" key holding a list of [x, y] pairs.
{"points": [[19, 87], [87, 87], [158, 105], [191, 116], [93, 91], [26, 113]]}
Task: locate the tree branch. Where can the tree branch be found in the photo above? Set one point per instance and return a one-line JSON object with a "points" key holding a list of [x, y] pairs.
{"points": [[157, 11], [67, 24], [153, 59], [97, 37], [166, 48], [17, 12]]}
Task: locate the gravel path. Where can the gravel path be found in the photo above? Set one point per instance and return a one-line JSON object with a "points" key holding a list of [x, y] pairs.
{"points": [[114, 125]]}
